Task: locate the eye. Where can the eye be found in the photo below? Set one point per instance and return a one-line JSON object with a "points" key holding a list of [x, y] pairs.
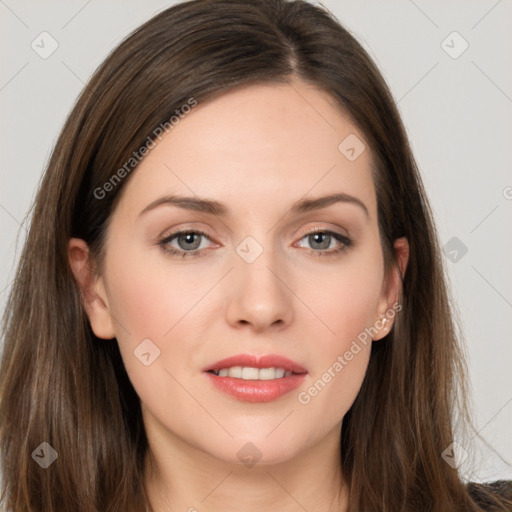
{"points": [[320, 241], [184, 243], [189, 243]]}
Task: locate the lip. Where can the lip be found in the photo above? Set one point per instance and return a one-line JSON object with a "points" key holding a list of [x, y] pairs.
{"points": [[255, 361], [257, 390]]}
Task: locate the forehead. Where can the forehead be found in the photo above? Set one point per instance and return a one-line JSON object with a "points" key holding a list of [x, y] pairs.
{"points": [[255, 146]]}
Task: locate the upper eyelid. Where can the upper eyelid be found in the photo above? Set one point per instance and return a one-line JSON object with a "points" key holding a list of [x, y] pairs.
{"points": [[322, 229]]}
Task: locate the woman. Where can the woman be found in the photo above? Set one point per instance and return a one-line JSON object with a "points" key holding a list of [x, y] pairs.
{"points": [[231, 296]]}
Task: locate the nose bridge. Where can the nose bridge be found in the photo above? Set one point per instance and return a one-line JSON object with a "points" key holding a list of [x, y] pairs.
{"points": [[257, 263], [259, 295]]}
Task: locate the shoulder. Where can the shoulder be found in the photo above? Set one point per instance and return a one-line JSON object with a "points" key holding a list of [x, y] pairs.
{"points": [[482, 494]]}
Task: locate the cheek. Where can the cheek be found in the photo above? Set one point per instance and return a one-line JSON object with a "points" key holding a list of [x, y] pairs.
{"points": [[347, 306], [340, 359], [329, 394], [148, 305], [151, 301], [150, 295], [345, 297]]}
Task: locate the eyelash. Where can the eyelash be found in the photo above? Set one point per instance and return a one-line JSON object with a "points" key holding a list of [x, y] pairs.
{"points": [[347, 242]]}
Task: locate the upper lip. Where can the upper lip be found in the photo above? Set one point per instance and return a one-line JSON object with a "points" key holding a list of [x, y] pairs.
{"points": [[257, 361]]}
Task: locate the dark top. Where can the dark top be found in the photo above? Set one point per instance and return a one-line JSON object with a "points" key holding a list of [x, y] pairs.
{"points": [[501, 488]]}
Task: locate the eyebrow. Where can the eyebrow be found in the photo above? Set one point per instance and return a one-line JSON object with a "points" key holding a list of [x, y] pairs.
{"points": [[215, 208]]}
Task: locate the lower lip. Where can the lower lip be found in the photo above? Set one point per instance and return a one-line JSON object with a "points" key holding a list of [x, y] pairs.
{"points": [[256, 390]]}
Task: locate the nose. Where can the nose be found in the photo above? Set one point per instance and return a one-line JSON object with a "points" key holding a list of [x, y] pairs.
{"points": [[259, 294]]}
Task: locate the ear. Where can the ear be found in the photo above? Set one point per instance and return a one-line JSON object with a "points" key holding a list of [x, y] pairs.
{"points": [[92, 289], [392, 289]]}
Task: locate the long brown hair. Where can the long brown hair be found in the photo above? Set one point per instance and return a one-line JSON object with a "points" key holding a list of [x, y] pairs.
{"points": [[61, 385]]}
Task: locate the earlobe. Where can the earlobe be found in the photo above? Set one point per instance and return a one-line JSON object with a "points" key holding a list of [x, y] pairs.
{"points": [[92, 289], [392, 293]]}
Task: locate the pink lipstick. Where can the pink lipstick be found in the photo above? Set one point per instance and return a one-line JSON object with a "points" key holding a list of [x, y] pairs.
{"points": [[254, 378]]}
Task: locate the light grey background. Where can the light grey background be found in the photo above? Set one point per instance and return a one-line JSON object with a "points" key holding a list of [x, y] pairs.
{"points": [[458, 112]]}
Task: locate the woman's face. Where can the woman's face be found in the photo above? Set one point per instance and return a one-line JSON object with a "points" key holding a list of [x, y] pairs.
{"points": [[258, 283]]}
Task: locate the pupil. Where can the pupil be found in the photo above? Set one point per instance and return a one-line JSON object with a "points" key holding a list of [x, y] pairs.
{"points": [[188, 238], [318, 237]]}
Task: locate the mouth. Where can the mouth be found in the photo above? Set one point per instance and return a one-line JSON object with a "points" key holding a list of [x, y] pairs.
{"points": [[250, 373], [253, 378]]}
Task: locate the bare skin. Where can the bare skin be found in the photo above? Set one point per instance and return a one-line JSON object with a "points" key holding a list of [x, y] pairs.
{"points": [[257, 150]]}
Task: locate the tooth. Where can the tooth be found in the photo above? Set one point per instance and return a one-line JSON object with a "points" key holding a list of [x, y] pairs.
{"points": [[249, 373], [267, 373], [236, 372]]}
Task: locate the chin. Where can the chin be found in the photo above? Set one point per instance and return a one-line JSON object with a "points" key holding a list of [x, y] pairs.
{"points": [[256, 450]]}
